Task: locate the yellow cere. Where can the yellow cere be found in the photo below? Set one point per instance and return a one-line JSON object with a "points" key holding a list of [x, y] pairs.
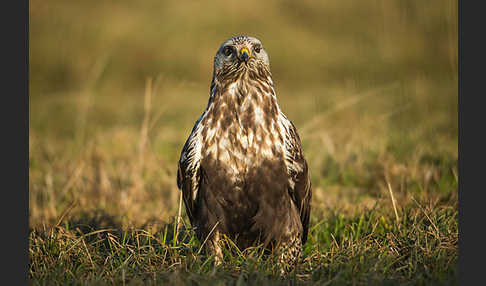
{"points": [[244, 50]]}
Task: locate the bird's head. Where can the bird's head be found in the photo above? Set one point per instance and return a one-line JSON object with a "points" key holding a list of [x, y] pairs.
{"points": [[240, 54]]}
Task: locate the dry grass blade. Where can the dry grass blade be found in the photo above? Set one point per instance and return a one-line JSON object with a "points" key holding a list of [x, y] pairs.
{"points": [[74, 178], [65, 213], [206, 239], [89, 255], [427, 216], [393, 202], [138, 182], [81, 238], [179, 216], [87, 94], [146, 119]]}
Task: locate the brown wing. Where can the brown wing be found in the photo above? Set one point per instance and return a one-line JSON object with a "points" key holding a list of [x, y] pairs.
{"points": [[301, 192], [189, 171]]}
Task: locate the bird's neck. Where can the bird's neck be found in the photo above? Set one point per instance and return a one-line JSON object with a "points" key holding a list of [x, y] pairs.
{"points": [[249, 87]]}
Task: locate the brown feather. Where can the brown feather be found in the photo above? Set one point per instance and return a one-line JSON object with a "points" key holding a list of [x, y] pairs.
{"points": [[242, 170]]}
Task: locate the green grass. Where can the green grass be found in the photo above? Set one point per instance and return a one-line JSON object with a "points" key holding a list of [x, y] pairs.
{"points": [[115, 89], [369, 248]]}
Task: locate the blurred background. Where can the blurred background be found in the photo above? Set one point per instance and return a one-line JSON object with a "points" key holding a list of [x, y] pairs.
{"points": [[116, 86]]}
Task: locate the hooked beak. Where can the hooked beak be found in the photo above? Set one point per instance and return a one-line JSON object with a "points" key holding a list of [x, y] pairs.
{"points": [[244, 55]]}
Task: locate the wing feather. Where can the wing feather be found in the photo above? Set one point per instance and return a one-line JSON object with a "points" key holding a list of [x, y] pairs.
{"points": [[300, 188], [189, 169]]}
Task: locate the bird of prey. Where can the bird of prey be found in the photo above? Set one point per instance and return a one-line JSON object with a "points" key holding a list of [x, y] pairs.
{"points": [[242, 171]]}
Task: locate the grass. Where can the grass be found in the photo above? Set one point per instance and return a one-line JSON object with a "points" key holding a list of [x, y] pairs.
{"points": [[115, 89], [362, 249]]}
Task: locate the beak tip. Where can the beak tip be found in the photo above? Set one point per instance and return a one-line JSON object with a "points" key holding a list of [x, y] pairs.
{"points": [[245, 57]]}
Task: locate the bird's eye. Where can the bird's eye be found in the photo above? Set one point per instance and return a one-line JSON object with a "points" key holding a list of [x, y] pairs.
{"points": [[228, 50], [257, 48]]}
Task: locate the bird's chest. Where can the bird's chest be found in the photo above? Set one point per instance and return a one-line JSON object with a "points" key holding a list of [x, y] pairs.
{"points": [[242, 140]]}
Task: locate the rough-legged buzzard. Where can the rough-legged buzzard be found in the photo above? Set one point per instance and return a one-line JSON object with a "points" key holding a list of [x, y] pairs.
{"points": [[242, 171]]}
